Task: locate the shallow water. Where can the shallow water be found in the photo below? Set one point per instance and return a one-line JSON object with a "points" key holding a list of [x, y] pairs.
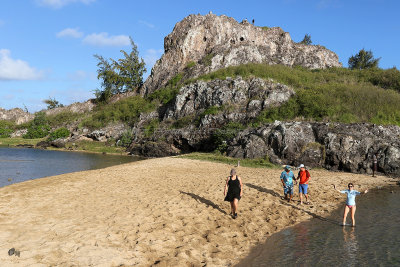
{"points": [[21, 164], [375, 241]]}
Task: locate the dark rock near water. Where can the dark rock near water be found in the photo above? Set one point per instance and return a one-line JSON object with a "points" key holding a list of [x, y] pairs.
{"points": [[344, 147]]}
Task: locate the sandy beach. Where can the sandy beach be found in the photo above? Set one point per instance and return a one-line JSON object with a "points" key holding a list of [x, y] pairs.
{"points": [[163, 212]]}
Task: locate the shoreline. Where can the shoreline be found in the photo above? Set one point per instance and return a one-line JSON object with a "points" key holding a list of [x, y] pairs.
{"points": [[33, 146], [168, 211]]}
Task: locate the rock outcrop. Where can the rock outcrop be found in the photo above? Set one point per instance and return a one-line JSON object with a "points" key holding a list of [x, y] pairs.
{"points": [[201, 44], [76, 107], [334, 146], [16, 115], [232, 99]]}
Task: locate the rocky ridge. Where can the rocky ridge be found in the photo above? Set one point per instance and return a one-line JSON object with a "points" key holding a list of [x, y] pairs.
{"points": [[202, 44]]}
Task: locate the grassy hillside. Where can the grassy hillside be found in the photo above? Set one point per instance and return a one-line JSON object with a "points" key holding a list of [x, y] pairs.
{"points": [[336, 94]]}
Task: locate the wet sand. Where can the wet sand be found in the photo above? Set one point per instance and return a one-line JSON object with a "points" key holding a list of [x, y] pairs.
{"points": [[163, 212]]}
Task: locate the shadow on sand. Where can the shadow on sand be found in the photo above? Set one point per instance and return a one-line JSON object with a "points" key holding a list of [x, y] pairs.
{"points": [[203, 200], [275, 194]]}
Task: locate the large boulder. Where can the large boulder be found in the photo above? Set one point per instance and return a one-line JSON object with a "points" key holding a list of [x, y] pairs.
{"points": [[238, 99], [201, 44]]}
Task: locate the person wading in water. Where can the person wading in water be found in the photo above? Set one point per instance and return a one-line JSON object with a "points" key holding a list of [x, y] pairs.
{"points": [[350, 202]]}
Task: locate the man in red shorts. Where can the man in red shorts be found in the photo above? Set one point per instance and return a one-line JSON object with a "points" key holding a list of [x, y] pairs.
{"points": [[304, 177]]}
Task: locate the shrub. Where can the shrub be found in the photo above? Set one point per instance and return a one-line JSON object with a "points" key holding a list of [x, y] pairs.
{"points": [[38, 128], [126, 138], [221, 136], [126, 110], [150, 128], [59, 133], [6, 128]]}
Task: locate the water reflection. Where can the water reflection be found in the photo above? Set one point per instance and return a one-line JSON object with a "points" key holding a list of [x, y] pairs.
{"points": [[21, 164], [375, 241], [350, 245]]}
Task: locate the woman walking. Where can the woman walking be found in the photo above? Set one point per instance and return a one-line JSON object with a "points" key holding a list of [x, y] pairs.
{"points": [[235, 191], [350, 202]]}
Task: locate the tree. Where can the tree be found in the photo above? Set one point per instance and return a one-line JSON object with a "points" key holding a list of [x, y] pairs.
{"points": [[363, 60], [120, 76], [52, 103], [306, 40]]}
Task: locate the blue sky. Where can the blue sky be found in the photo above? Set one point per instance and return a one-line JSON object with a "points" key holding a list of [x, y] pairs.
{"points": [[47, 46]]}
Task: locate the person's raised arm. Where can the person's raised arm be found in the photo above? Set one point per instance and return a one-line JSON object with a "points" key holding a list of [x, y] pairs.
{"points": [[334, 187]]}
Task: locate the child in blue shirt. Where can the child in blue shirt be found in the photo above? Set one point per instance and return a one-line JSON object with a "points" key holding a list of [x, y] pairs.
{"points": [[350, 202]]}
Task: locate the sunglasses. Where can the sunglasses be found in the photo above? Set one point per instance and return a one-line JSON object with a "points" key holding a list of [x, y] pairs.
{"points": [[350, 186]]}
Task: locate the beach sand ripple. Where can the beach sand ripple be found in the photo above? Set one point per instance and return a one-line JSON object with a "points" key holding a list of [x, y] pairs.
{"points": [[164, 212]]}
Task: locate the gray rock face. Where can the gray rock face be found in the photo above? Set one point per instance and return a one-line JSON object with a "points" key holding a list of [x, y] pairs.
{"points": [[16, 114], [213, 42], [238, 99], [75, 108], [346, 147]]}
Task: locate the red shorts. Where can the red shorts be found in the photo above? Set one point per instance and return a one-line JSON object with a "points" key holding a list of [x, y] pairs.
{"points": [[350, 206]]}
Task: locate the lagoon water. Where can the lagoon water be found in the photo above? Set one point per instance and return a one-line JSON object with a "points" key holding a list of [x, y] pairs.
{"points": [[21, 164], [375, 241]]}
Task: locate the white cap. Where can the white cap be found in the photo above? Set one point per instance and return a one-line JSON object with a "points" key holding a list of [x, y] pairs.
{"points": [[301, 166]]}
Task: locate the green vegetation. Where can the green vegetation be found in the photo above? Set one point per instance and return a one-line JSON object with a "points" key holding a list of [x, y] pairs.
{"points": [[335, 94], [52, 103], [190, 64], [39, 127], [265, 28], [96, 147], [226, 132], [125, 139], [151, 127], [363, 60], [119, 76], [19, 141], [306, 40], [164, 96], [64, 118], [207, 60], [6, 128], [126, 110], [59, 133], [216, 157]]}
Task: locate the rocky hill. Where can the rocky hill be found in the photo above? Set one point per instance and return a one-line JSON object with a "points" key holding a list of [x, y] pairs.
{"points": [[221, 113], [201, 44]]}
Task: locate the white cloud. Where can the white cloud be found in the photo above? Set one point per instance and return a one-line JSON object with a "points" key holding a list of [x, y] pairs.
{"points": [[102, 39], [70, 33], [151, 26], [61, 3], [16, 69], [151, 56]]}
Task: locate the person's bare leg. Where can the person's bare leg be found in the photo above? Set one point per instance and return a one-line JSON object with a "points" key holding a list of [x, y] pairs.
{"points": [[306, 195], [353, 212], [346, 211], [301, 198], [235, 205], [232, 207]]}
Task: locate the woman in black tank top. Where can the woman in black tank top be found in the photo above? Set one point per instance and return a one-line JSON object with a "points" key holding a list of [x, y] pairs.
{"points": [[234, 186]]}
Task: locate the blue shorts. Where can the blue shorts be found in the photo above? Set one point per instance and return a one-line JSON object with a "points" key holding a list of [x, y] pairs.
{"points": [[288, 189], [303, 188]]}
